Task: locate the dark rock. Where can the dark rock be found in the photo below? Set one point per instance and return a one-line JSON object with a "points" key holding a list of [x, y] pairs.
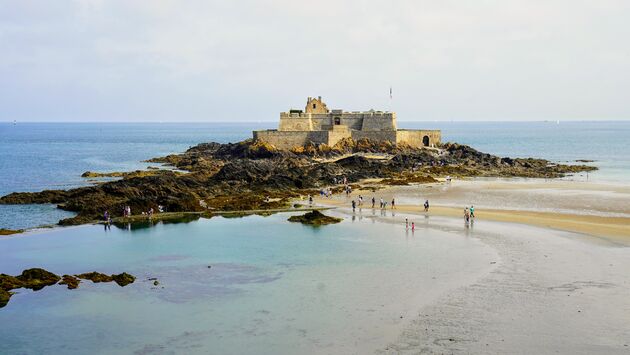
{"points": [[71, 281], [314, 218], [37, 278], [240, 176], [123, 279], [95, 277], [4, 297], [8, 282]]}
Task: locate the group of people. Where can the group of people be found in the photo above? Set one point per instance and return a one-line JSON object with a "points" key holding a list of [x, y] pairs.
{"points": [[327, 192], [469, 214], [127, 212], [382, 203]]}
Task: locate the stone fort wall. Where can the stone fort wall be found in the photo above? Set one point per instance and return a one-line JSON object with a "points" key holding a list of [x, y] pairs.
{"points": [[419, 138], [288, 139], [360, 121]]}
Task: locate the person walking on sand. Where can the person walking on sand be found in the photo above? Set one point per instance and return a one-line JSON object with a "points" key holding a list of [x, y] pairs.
{"points": [[393, 204], [426, 206], [466, 215], [373, 201], [310, 200], [472, 211], [354, 205], [382, 203]]}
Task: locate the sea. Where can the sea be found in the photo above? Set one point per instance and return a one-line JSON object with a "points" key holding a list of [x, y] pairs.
{"points": [[256, 284]]}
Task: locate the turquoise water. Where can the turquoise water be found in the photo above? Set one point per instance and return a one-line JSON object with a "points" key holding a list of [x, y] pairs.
{"points": [[38, 156], [274, 287]]}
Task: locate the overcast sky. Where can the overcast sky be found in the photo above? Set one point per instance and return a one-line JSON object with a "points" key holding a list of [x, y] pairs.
{"points": [[243, 60]]}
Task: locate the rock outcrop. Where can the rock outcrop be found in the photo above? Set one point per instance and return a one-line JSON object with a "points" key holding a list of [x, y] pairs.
{"points": [[122, 280], [315, 218], [36, 279], [255, 176]]}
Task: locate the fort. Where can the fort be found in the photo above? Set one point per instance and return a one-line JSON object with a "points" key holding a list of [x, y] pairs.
{"points": [[319, 125]]}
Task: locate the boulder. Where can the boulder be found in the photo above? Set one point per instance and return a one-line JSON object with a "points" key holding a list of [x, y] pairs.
{"points": [[37, 278], [123, 279], [71, 281], [315, 218]]}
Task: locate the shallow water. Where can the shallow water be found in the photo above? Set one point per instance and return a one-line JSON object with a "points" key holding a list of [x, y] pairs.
{"points": [[273, 286]]}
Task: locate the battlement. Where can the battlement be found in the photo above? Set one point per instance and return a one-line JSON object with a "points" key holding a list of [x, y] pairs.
{"points": [[318, 124]]}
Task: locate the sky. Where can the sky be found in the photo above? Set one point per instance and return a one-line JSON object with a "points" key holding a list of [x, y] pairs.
{"points": [[245, 60]]}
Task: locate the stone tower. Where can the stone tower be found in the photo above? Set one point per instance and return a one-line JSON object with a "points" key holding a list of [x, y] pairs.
{"points": [[315, 105]]}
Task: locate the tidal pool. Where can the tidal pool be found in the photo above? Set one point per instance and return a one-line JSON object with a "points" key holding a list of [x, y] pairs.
{"points": [[232, 286]]}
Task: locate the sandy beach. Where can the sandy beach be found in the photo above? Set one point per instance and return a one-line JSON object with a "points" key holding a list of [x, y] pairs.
{"points": [[558, 285], [595, 209]]}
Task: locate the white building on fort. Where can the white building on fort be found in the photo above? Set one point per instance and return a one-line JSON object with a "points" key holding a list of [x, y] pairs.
{"points": [[317, 124]]}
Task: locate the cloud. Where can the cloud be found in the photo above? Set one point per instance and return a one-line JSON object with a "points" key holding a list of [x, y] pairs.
{"points": [[247, 60]]}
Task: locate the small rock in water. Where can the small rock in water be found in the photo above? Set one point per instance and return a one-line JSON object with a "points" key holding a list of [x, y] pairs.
{"points": [[71, 281], [209, 266], [37, 278], [314, 218], [123, 279], [95, 277], [156, 282]]}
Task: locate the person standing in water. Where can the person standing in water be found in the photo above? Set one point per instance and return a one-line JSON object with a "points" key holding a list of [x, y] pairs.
{"points": [[413, 226], [354, 205], [373, 201], [393, 203], [426, 206], [472, 211], [406, 223]]}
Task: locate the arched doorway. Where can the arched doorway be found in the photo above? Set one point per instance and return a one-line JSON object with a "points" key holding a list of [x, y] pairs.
{"points": [[337, 121], [425, 141]]}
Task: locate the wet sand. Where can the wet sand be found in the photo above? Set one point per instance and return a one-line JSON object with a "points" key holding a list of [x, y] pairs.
{"points": [[599, 210], [551, 293], [548, 292]]}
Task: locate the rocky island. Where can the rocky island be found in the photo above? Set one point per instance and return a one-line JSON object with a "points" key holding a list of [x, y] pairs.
{"points": [[254, 175]]}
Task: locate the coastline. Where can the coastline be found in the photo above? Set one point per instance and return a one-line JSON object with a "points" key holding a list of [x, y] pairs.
{"points": [[487, 291], [602, 224]]}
